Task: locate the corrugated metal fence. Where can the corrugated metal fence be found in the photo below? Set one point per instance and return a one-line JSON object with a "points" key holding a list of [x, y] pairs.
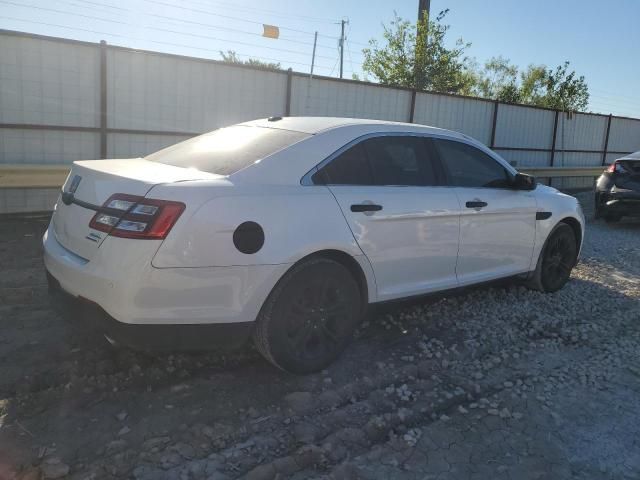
{"points": [[63, 100]]}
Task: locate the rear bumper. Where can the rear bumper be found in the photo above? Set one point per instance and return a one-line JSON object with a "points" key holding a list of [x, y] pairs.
{"points": [[120, 279], [148, 337], [622, 203]]}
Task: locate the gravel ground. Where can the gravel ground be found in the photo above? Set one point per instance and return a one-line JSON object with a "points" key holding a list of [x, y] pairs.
{"points": [[494, 383]]}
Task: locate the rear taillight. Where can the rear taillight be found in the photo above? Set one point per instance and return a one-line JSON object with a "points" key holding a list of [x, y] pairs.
{"points": [[616, 167], [130, 216]]}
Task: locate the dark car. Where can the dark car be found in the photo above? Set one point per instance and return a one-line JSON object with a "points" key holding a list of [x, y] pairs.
{"points": [[618, 189]]}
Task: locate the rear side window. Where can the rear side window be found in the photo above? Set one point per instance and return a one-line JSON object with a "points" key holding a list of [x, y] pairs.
{"points": [[383, 161], [351, 167], [399, 160], [227, 150], [470, 167]]}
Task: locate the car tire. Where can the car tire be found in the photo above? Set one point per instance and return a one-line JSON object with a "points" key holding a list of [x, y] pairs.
{"points": [[309, 317], [557, 259]]}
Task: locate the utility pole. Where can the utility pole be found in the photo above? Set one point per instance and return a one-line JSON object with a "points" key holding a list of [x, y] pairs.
{"points": [[342, 44], [313, 55], [423, 6]]}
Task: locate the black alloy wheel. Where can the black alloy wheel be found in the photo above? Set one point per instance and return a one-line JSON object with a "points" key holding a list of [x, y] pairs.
{"points": [[309, 317], [559, 258]]}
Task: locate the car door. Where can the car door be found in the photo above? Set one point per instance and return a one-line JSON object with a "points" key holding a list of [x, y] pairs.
{"points": [[497, 222], [389, 188]]}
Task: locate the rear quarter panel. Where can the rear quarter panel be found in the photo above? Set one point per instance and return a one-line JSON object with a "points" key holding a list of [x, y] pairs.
{"points": [[296, 220]]}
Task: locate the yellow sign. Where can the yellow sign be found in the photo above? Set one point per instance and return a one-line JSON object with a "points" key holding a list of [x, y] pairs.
{"points": [[270, 31]]}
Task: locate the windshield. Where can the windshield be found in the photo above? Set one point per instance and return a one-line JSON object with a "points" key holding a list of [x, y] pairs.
{"points": [[227, 150]]}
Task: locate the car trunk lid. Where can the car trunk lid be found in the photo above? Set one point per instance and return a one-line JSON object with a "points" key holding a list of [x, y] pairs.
{"points": [[89, 185], [627, 174]]}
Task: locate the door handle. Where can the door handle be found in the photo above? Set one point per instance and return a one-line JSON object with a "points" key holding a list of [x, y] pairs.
{"points": [[366, 207], [476, 204]]}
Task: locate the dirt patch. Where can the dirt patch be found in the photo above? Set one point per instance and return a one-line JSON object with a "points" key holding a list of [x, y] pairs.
{"points": [[498, 382]]}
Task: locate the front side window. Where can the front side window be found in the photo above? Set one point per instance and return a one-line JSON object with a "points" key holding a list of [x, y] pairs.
{"points": [[397, 160], [227, 150], [383, 161], [470, 167]]}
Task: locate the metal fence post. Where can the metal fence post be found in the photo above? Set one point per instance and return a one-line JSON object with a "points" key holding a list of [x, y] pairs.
{"points": [[287, 104], [606, 142], [103, 99], [412, 108], [494, 121], [553, 141]]}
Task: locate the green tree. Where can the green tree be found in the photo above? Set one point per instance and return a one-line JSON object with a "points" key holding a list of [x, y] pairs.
{"points": [[499, 80], [559, 89], [416, 56], [533, 82], [565, 90], [232, 57]]}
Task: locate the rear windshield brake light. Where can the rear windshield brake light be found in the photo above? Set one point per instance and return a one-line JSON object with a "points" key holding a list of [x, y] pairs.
{"points": [[141, 218]]}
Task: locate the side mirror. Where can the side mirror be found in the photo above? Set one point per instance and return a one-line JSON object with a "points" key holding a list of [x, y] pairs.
{"points": [[522, 181]]}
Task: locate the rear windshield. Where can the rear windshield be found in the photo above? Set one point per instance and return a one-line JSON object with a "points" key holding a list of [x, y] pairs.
{"points": [[227, 150], [630, 166]]}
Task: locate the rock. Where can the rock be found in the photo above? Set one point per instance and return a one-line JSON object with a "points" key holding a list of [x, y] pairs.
{"points": [[123, 431], [299, 402], [184, 450], [218, 476], [346, 471], [147, 472], [170, 460], [328, 399], [122, 416], [286, 466], [155, 442], [53, 467], [305, 432], [262, 472], [115, 446], [32, 473]]}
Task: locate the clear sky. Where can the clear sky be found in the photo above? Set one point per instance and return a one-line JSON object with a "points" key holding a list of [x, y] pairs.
{"points": [[601, 39]]}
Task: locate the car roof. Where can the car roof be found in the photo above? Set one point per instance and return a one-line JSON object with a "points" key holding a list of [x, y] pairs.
{"points": [[314, 125], [631, 156]]}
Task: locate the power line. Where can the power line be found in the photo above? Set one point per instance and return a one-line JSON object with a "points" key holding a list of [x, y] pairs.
{"points": [[64, 26], [270, 12], [240, 54], [96, 4], [295, 52], [219, 27], [48, 24], [62, 11], [156, 15], [209, 37], [207, 12], [613, 99]]}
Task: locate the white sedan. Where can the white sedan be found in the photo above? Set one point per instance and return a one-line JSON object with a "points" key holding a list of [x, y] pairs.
{"points": [[286, 229]]}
